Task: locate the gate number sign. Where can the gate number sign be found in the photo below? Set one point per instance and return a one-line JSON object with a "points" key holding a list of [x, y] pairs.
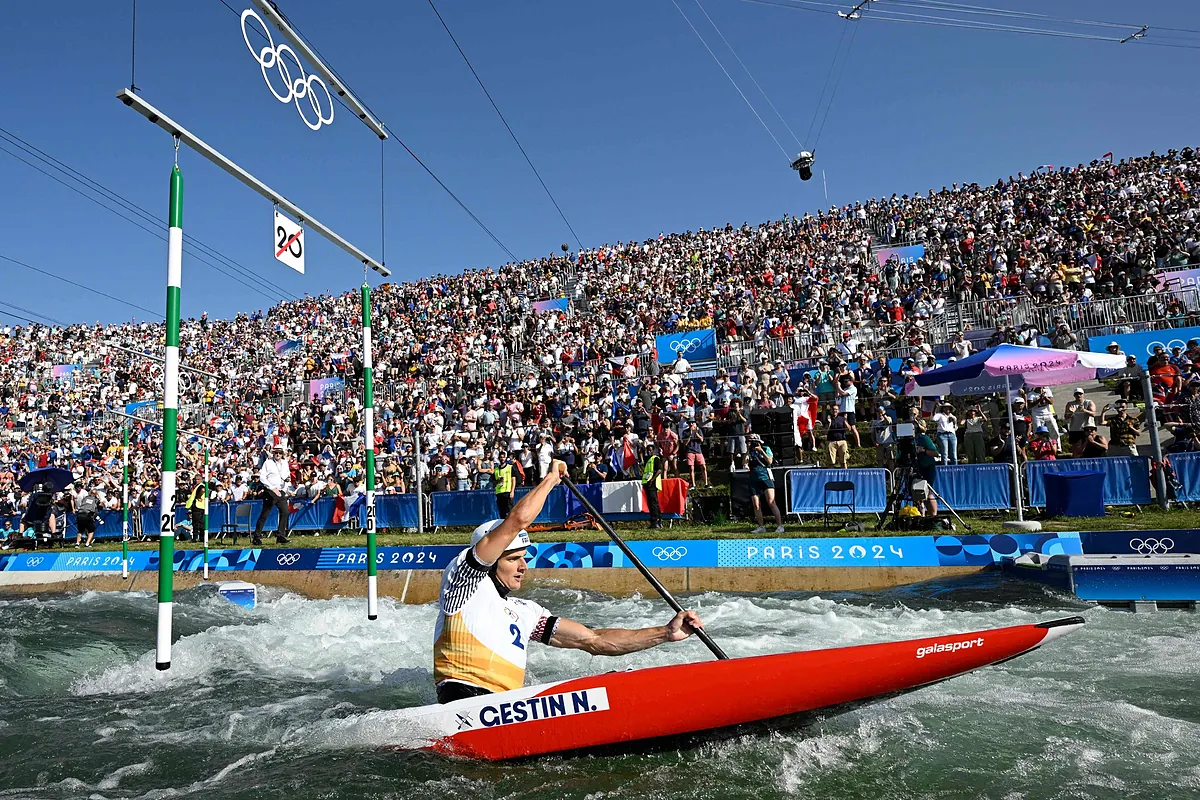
{"points": [[289, 243]]}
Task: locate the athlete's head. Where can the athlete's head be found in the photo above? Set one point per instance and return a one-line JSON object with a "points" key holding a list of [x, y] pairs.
{"points": [[509, 569]]}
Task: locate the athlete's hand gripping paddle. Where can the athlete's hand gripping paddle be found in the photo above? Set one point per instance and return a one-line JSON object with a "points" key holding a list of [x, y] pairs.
{"points": [[647, 574]]}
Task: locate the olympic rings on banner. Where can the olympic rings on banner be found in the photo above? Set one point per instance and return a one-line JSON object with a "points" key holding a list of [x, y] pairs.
{"points": [[287, 559], [297, 89], [1152, 546], [685, 346], [669, 553]]}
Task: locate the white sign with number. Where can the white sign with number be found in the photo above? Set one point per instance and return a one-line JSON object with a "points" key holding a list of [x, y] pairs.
{"points": [[289, 243]]}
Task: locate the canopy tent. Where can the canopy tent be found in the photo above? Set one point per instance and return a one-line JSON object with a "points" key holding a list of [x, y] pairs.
{"points": [[1008, 367]]}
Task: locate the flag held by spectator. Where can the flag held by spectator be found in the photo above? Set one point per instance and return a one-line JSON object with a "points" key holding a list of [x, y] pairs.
{"points": [[286, 346]]}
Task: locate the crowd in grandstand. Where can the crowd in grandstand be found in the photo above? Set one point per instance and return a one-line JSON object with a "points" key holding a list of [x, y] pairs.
{"points": [[469, 370]]}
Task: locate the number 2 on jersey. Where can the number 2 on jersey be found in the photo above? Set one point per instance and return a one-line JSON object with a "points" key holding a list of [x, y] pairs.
{"points": [[516, 632]]}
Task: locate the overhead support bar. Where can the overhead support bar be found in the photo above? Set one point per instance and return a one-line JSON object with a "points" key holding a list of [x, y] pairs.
{"points": [[196, 143]]}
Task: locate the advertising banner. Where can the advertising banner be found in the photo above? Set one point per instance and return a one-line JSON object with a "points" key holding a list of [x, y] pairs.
{"points": [[557, 304], [905, 255], [322, 386], [692, 345], [864, 551], [1141, 345]]}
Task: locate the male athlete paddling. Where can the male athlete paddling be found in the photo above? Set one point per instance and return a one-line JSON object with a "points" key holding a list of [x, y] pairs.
{"points": [[481, 632]]}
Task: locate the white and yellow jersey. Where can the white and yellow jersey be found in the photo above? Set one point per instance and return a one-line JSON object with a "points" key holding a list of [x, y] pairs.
{"points": [[480, 637]]}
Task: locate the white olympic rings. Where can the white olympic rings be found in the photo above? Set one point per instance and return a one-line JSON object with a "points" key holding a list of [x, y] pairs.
{"points": [[685, 346], [669, 553], [1152, 546], [272, 56], [1166, 346], [34, 561], [287, 559]]}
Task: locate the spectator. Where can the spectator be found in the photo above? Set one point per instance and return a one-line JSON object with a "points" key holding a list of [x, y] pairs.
{"points": [[927, 460], [847, 399], [975, 432], [884, 435], [1092, 445], [275, 477], [947, 433], [1042, 447], [693, 445], [835, 441], [762, 485], [1123, 430], [1080, 414]]}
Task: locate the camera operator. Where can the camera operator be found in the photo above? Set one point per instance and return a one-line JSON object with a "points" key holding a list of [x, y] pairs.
{"points": [[762, 484]]}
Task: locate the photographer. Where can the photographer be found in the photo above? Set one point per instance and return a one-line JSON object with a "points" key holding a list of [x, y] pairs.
{"points": [[762, 484], [275, 475], [927, 460], [975, 436], [1061, 338], [884, 434]]}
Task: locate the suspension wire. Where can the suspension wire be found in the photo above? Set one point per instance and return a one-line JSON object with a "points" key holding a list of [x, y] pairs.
{"points": [[133, 52], [85, 287], [393, 135], [108, 195], [828, 75], [892, 15], [837, 81], [750, 105], [506, 125], [944, 5], [33, 316], [747, 70]]}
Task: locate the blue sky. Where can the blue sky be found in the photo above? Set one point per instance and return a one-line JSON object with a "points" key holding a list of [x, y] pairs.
{"points": [[630, 122]]}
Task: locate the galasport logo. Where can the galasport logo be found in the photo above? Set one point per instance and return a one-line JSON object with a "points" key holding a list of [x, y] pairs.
{"points": [[949, 647]]}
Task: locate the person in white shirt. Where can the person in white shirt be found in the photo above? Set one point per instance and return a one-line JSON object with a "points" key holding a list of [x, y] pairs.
{"points": [[275, 476], [847, 401], [947, 433]]}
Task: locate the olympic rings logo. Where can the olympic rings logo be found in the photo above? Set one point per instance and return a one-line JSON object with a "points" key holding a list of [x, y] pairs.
{"points": [[1152, 546], [685, 346], [34, 561], [1180, 343], [287, 559], [297, 89], [669, 553]]}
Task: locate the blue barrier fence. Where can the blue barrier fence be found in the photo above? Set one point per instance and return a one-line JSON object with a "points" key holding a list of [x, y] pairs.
{"points": [[808, 489], [1187, 472], [975, 487], [1126, 479]]}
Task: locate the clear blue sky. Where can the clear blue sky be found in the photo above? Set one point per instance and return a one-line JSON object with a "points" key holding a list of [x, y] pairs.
{"points": [[632, 125]]}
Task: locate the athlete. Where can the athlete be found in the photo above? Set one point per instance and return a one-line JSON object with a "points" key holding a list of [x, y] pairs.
{"points": [[482, 632]]}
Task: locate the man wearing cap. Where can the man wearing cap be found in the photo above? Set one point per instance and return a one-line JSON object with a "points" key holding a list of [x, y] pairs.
{"points": [[275, 475], [482, 632]]}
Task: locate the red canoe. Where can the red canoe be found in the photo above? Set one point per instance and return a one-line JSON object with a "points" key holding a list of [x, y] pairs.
{"points": [[673, 706]]}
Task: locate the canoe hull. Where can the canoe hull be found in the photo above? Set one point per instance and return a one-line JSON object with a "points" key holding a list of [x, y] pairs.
{"points": [[650, 708]]}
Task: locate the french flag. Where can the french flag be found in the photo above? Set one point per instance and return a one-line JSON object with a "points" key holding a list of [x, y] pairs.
{"points": [[623, 457]]}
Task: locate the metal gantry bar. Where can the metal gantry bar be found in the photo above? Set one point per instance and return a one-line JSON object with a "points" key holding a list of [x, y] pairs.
{"points": [[271, 14], [185, 136], [162, 360], [158, 424]]}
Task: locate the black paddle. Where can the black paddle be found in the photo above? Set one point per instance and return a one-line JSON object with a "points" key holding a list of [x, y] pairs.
{"points": [[647, 574]]}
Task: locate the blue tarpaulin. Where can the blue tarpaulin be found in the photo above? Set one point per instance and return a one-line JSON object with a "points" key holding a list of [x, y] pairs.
{"points": [[1126, 479], [808, 489], [974, 487]]}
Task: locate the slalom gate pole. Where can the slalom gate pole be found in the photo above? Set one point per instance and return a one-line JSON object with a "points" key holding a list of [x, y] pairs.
{"points": [[1151, 424], [417, 479], [125, 502], [207, 500], [647, 574], [166, 539], [369, 442]]}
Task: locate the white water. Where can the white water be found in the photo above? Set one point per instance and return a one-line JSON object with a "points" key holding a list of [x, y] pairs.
{"points": [[294, 698]]}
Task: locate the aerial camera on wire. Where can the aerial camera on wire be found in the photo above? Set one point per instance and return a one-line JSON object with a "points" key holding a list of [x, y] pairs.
{"points": [[803, 164]]}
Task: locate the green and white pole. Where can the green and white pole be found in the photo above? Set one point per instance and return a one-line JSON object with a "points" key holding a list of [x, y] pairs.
{"points": [[369, 441], [207, 501], [166, 541], [125, 501]]}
